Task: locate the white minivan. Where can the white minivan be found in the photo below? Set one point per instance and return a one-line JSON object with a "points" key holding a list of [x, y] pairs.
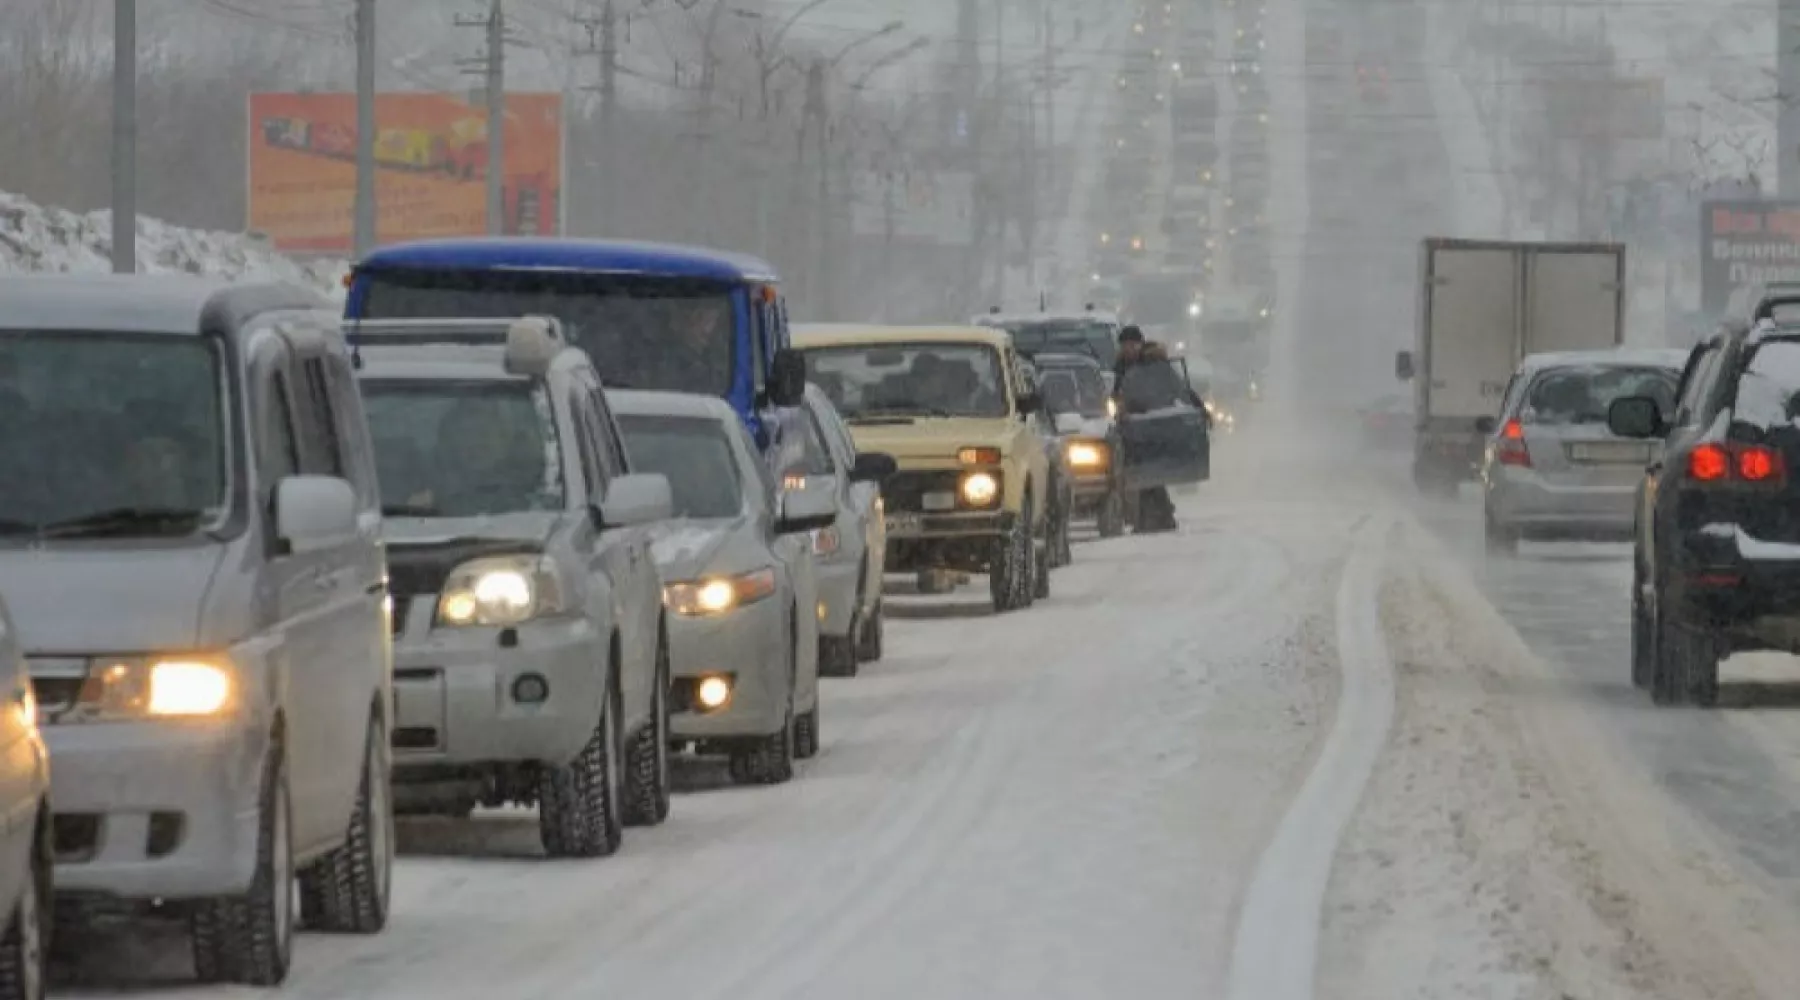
{"points": [[25, 851], [190, 544]]}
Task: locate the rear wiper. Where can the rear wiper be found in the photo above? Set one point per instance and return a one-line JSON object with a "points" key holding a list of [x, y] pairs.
{"points": [[409, 510], [122, 520]]}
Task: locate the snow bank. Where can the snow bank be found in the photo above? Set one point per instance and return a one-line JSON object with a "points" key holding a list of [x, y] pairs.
{"points": [[35, 238]]}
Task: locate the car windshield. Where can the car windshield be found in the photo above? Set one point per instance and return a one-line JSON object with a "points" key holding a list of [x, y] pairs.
{"points": [[1076, 336], [446, 448], [674, 335], [1581, 395], [695, 455], [110, 435], [1074, 390], [910, 380]]}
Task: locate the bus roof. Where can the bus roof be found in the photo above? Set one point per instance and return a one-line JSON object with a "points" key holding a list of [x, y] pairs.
{"points": [[591, 256]]}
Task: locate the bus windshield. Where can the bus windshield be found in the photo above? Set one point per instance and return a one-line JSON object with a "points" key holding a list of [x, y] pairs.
{"points": [[657, 333]]}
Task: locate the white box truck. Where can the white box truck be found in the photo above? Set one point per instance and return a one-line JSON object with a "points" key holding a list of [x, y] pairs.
{"points": [[1483, 306]]}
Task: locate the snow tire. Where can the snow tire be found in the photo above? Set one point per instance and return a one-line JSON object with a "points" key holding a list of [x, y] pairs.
{"points": [[806, 734], [349, 890], [869, 638], [1686, 668], [1110, 522], [652, 781], [25, 950], [249, 939], [580, 807]]}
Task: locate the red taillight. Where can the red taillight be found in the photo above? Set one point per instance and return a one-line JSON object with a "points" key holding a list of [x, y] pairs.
{"points": [[1708, 463], [1748, 463], [1510, 449]]}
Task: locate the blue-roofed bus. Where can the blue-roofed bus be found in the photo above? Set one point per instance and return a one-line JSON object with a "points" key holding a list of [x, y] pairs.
{"points": [[651, 316]]}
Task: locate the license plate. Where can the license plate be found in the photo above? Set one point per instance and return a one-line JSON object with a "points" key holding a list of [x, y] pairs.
{"points": [[902, 524], [1610, 451], [938, 501]]}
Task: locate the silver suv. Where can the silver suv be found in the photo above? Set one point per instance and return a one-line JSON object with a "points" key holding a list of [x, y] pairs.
{"points": [[531, 659], [191, 459]]}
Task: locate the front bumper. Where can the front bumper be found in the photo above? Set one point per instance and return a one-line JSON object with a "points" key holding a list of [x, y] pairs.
{"points": [[165, 809], [748, 646], [1524, 499], [455, 705]]}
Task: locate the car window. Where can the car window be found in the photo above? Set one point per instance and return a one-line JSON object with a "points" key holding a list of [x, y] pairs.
{"points": [[836, 434], [277, 442], [911, 379], [695, 455], [1693, 394], [1768, 391], [462, 448], [613, 460], [321, 447], [351, 430], [587, 433], [1583, 394], [1152, 385], [818, 458]]}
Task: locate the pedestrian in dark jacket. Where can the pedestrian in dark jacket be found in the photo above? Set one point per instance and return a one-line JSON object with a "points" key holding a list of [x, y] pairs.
{"points": [[1151, 509]]}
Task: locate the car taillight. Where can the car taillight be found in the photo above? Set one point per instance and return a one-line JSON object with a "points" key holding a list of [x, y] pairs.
{"points": [[1746, 463], [1510, 449]]}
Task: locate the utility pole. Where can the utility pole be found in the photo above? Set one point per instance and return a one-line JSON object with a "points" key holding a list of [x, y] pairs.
{"points": [[1049, 86], [124, 138], [603, 41], [491, 65], [1787, 98], [815, 114], [365, 236]]}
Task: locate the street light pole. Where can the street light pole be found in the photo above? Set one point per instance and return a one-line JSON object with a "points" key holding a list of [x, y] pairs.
{"points": [[124, 138]]}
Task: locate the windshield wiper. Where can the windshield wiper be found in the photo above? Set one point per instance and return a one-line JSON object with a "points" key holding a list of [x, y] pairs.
{"points": [[409, 510], [900, 413], [124, 520]]}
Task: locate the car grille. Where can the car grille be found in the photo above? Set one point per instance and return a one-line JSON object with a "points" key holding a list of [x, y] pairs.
{"points": [[905, 490]]}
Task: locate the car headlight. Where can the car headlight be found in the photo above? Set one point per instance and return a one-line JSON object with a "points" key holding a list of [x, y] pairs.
{"points": [[1193, 308], [501, 590], [716, 595], [1088, 456], [1112, 408], [980, 489], [153, 687]]}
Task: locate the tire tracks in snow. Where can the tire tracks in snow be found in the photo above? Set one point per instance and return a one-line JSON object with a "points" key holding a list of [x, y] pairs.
{"points": [[1276, 947]]}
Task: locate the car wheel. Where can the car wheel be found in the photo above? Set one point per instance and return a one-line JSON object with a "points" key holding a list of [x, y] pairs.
{"points": [[806, 733], [580, 807], [1643, 632], [347, 891], [1040, 575], [1065, 550], [647, 803], [1686, 665], [25, 950], [249, 939], [1011, 567], [1111, 520], [838, 654], [869, 637]]}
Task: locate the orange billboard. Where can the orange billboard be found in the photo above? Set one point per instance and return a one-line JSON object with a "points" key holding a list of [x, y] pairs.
{"points": [[431, 168]]}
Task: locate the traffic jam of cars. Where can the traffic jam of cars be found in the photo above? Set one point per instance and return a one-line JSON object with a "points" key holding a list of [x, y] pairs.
{"points": [[516, 527]]}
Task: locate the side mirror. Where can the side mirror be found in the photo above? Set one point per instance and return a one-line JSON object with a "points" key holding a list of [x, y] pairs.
{"points": [[1403, 366], [640, 498], [1069, 423], [1029, 403], [1635, 417], [787, 381], [1485, 425], [873, 467], [314, 512], [808, 508]]}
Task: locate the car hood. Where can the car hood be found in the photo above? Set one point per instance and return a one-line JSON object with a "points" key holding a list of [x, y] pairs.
{"points": [[1092, 427], [689, 548], [525, 526], [932, 437], [105, 599]]}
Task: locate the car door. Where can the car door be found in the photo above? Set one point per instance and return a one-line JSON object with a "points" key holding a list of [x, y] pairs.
{"points": [[621, 554], [1163, 436], [1686, 426], [859, 522]]}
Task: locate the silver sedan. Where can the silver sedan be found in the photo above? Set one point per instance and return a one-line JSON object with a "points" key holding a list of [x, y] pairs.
{"points": [[1550, 468], [739, 587]]}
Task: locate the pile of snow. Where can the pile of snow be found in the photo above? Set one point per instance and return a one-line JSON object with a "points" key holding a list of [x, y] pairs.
{"points": [[36, 238]]}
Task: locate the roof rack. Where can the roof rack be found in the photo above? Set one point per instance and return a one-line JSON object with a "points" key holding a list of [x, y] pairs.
{"points": [[531, 342]]}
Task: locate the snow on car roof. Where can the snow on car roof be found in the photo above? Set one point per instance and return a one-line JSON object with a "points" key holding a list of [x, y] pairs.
{"points": [[1076, 316], [1656, 357], [646, 403], [427, 362], [834, 334]]}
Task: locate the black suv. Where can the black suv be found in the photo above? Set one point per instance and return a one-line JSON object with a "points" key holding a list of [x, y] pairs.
{"points": [[1717, 561]]}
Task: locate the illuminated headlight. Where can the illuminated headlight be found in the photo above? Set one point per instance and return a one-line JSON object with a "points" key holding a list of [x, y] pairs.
{"points": [[1265, 312], [1087, 456], [713, 692], [720, 594], [980, 489], [1112, 408], [501, 590], [128, 688], [1193, 308]]}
